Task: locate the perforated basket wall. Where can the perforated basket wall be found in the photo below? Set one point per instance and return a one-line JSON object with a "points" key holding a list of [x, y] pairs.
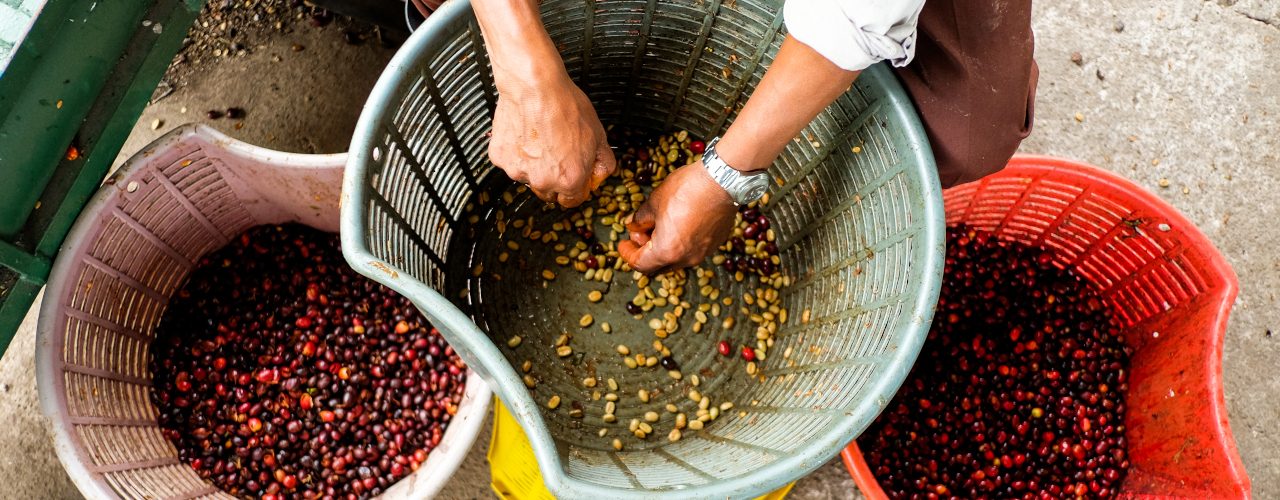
{"points": [[861, 231], [186, 194], [1170, 289]]}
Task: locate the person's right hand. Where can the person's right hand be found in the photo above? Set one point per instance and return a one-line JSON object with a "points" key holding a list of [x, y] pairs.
{"points": [[681, 223], [547, 135]]}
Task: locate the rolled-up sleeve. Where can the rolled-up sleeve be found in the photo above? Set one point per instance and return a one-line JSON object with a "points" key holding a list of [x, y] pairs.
{"points": [[855, 34]]}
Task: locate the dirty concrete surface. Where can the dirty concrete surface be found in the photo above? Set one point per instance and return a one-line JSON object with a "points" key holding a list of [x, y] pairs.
{"points": [[1177, 92]]}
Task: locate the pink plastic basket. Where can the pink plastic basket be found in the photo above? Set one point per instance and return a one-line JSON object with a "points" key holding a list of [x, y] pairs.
{"points": [[186, 194]]}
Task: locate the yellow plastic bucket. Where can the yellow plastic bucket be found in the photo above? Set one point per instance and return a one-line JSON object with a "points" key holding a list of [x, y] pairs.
{"points": [[515, 470]]}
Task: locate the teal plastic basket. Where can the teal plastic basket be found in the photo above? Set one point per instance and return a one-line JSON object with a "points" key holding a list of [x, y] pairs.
{"points": [[857, 208]]}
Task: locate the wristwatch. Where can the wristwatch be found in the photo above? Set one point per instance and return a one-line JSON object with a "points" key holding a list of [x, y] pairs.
{"points": [[742, 187]]}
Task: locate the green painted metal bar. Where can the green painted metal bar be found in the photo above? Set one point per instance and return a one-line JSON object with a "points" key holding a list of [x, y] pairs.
{"points": [[14, 308], [104, 130], [32, 267], [55, 77], [79, 78]]}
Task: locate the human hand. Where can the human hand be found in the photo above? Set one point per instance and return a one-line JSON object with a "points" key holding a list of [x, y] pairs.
{"points": [[545, 132], [547, 135], [685, 219]]}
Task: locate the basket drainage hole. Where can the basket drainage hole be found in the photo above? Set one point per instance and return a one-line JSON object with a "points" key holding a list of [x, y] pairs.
{"points": [[377, 154]]}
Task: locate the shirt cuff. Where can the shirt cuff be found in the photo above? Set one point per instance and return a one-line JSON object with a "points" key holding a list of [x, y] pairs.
{"points": [[854, 34]]}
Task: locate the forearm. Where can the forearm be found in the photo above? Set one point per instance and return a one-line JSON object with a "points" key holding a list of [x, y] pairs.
{"points": [[519, 48], [798, 86]]}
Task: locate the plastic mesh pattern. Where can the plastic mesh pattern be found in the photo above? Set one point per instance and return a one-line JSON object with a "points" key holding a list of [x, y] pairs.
{"points": [[856, 206], [1109, 239], [187, 194], [165, 217]]}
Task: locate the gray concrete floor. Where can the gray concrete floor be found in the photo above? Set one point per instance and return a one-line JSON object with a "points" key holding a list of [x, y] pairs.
{"points": [[1188, 92]]}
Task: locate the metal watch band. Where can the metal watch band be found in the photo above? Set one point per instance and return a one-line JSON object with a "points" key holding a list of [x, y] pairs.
{"points": [[742, 188]]}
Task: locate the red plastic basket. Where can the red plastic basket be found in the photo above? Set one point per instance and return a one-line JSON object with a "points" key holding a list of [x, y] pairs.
{"points": [[1171, 290]]}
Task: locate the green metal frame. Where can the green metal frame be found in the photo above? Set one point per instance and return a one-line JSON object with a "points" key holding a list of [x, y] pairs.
{"points": [[80, 78]]}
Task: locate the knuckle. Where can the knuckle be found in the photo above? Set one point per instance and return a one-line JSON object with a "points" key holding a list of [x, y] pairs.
{"points": [[541, 182], [500, 156], [514, 173], [570, 201], [572, 190], [680, 249], [672, 253], [573, 178], [695, 259], [542, 192]]}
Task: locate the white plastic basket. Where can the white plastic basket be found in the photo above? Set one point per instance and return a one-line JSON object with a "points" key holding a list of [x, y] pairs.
{"points": [[185, 195]]}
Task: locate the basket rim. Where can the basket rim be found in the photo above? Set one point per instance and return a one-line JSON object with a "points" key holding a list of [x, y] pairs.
{"points": [[917, 314], [465, 425], [1224, 293]]}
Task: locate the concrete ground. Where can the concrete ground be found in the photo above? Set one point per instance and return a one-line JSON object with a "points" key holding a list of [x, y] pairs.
{"points": [[1183, 91]]}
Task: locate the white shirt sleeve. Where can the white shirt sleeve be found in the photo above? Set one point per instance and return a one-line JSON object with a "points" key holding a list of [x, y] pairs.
{"points": [[855, 34]]}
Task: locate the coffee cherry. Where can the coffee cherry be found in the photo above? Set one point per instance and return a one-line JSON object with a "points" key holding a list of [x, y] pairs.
{"points": [[1016, 393], [280, 373]]}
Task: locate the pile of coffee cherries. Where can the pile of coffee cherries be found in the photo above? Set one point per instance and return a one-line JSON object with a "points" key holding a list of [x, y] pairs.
{"points": [[281, 373], [1019, 391]]}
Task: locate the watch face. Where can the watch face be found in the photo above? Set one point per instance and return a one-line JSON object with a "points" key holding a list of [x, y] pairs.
{"points": [[756, 191]]}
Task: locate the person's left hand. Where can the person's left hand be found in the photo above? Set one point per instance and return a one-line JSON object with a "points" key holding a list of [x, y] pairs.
{"points": [[684, 220]]}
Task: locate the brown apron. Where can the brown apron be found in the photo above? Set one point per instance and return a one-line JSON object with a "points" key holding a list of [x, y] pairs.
{"points": [[973, 80]]}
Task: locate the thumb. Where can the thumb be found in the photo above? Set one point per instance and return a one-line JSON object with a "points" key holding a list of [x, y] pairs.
{"points": [[643, 220], [605, 164], [639, 257]]}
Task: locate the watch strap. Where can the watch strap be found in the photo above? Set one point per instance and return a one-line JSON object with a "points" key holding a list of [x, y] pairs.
{"points": [[742, 187]]}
